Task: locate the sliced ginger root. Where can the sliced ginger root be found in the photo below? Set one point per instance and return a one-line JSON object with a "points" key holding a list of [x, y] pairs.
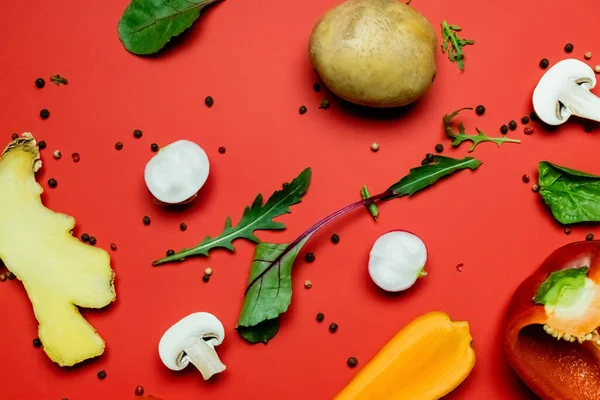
{"points": [[57, 270]]}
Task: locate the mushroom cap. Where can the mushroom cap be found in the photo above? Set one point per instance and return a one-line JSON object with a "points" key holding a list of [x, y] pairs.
{"points": [[194, 327], [559, 79], [177, 172]]}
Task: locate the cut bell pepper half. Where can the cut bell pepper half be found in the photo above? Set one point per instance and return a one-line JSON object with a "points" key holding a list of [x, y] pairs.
{"points": [[551, 334]]}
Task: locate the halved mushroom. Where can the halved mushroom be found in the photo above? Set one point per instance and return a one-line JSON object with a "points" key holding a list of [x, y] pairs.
{"points": [[564, 91], [193, 340], [177, 172]]}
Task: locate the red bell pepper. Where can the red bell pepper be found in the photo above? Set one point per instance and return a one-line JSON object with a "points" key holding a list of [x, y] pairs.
{"points": [[551, 338]]}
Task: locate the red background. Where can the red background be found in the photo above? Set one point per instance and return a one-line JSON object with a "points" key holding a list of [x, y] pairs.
{"points": [[251, 56]]}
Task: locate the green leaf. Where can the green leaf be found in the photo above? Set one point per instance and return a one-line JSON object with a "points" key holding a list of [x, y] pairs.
{"points": [[270, 291], [372, 207], [453, 44], [560, 284], [260, 333], [58, 80], [146, 26], [259, 216], [421, 177], [573, 196], [461, 136]]}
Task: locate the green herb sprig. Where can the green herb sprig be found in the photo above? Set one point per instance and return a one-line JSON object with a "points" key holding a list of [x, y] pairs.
{"points": [[453, 44], [462, 136]]}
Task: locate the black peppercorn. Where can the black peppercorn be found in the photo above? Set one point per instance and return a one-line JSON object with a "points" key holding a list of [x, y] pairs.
{"points": [[42, 145], [113, 246], [439, 148], [533, 116], [139, 390], [504, 129], [352, 362], [183, 226], [222, 150], [567, 230], [170, 252], [568, 47], [154, 147], [40, 83], [15, 136], [302, 110], [52, 183], [589, 236], [85, 237], [333, 327], [92, 240], [209, 101], [335, 238], [137, 133], [44, 113], [544, 63], [479, 110], [119, 145], [146, 220], [37, 342], [525, 120], [324, 104], [102, 374], [317, 87], [512, 125], [525, 178], [309, 257], [430, 157], [588, 126], [320, 317], [11, 276], [205, 278], [425, 162]]}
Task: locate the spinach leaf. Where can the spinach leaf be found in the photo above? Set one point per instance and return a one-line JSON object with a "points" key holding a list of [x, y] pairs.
{"points": [[271, 294], [573, 196], [146, 26]]}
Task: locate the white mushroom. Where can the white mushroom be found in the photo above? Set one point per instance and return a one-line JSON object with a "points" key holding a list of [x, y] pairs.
{"points": [[564, 91], [177, 172], [397, 260], [193, 340]]}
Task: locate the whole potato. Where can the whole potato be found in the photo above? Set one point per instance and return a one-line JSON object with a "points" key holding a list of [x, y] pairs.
{"points": [[377, 53]]}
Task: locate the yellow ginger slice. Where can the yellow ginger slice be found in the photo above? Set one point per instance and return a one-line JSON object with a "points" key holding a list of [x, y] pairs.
{"points": [[57, 270]]}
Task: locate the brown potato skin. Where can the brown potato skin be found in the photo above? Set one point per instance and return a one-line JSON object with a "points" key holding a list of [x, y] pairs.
{"points": [[376, 53]]}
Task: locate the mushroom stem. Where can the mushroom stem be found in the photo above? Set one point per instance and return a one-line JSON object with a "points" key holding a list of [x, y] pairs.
{"points": [[202, 354], [581, 102]]}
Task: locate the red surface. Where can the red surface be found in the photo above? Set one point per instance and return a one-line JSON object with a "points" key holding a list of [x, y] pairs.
{"points": [[251, 56]]}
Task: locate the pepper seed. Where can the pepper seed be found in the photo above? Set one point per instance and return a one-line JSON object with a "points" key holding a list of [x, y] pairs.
{"points": [[170, 252], [57, 154], [544, 63], [307, 284], [479, 110], [208, 271], [85, 237], [309, 257], [119, 145], [146, 220], [209, 101], [587, 55], [335, 238], [333, 327], [589, 236], [352, 362], [439, 148], [504, 129], [154, 147], [37, 342], [101, 374], [525, 178], [567, 230], [302, 110], [139, 390], [182, 226], [44, 114], [535, 188], [320, 317], [92, 240], [137, 133], [568, 47], [597, 69], [52, 183], [512, 125], [374, 147]]}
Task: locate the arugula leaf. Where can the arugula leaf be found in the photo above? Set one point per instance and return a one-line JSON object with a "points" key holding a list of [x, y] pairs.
{"points": [[573, 196], [271, 295], [146, 26], [454, 44], [426, 175], [258, 216], [269, 291], [372, 207], [462, 136], [58, 80]]}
